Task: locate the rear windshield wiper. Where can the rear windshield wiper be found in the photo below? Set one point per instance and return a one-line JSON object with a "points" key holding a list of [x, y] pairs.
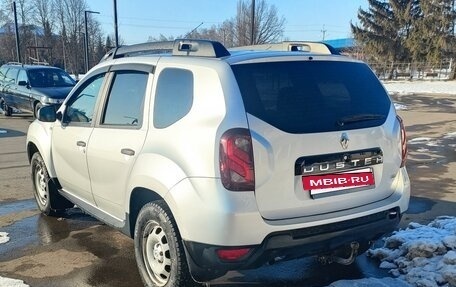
{"points": [[359, 118]]}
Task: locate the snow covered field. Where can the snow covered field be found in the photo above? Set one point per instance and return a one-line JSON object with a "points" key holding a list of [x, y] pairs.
{"points": [[418, 256]]}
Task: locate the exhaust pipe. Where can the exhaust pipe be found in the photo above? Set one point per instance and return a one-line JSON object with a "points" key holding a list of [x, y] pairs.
{"points": [[354, 246]]}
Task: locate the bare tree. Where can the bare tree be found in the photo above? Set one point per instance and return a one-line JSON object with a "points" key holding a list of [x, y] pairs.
{"points": [[44, 17], [70, 14], [268, 26]]}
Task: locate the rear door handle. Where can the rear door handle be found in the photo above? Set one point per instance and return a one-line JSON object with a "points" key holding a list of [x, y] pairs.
{"points": [[81, 144], [127, 151]]}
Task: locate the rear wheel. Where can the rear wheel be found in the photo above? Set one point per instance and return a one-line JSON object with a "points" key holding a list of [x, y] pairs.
{"points": [[49, 201], [159, 249]]}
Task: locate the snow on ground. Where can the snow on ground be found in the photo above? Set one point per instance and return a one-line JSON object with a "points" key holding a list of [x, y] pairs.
{"points": [[410, 87], [427, 141], [7, 282], [3, 238], [400, 107], [422, 255]]}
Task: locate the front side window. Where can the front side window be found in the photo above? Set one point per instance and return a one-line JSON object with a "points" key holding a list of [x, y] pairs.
{"points": [[81, 106], [22, 77], [126, 99]]}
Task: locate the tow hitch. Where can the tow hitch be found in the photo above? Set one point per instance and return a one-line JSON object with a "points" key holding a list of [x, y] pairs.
{"points": [[328, 259]]}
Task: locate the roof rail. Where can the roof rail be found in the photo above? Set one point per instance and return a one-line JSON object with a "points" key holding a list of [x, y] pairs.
{"points": [[14, 63], [298, 46], [179, 47]]}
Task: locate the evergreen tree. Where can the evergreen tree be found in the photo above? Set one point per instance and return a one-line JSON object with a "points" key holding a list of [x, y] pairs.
{"points": [[433, 37], [108, 45], [384, 30]]}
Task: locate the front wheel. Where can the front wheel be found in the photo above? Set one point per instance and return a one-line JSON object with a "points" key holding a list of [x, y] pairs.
{"points": [[159, 249], [7, 111], [49, 201], [38, 106]]}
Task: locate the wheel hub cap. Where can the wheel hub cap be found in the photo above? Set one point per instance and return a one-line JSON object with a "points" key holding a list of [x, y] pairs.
{"points": [[156, 254]]}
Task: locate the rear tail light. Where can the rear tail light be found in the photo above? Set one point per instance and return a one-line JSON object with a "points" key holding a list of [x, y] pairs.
{"points": [[403, 141], [236, 160], [232, 254]]}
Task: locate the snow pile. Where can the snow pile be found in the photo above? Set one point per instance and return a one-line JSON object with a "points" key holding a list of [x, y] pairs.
{"points": [[422, 255], [3, 239], [7, 282]]}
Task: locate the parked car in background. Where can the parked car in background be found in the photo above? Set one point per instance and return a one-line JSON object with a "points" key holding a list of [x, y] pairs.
{"points": [[30, 87]]}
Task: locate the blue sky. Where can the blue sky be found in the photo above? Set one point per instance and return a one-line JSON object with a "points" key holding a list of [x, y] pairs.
{"points": [[305, 19]]}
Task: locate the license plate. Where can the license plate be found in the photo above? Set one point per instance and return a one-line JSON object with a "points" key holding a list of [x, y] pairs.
{"points": [[317, 184]]}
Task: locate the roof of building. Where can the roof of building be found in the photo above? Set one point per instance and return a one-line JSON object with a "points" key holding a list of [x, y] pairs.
{"points": [[341, 44]]}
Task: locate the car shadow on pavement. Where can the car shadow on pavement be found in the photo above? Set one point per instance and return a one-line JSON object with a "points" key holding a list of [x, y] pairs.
{"points": [[7, 133]]}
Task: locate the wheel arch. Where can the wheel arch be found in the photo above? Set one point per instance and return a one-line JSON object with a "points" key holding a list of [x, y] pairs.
{"points": [[39, 140], [139, 197], [31, 150]]}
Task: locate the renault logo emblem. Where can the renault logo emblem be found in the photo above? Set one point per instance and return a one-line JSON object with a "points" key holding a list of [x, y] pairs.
{"points": [[344, 140]]}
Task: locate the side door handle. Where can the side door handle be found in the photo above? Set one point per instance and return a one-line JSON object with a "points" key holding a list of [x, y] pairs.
{"points": [[81, 144], [127, 151]]}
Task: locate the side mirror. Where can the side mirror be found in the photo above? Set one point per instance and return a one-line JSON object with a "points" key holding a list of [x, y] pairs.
{"points": [[23, 83], [47, 114]]}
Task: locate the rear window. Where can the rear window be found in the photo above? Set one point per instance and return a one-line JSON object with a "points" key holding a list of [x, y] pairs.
{"points": [[313, 96]]}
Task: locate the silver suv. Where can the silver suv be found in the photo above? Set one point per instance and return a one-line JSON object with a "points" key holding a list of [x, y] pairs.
{"points": [[216, 160]]}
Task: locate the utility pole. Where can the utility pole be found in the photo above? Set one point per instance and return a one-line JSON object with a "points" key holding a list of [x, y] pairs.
{"points": [[324, 32], [116, 29], [18, 50], [86, 39], [252, 32]]}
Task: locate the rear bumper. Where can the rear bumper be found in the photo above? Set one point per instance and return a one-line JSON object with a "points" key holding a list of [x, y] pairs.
{"points": [[284, 245]]}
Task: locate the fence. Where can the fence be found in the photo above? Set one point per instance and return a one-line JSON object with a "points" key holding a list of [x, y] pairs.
{"points": [[414, 71]]}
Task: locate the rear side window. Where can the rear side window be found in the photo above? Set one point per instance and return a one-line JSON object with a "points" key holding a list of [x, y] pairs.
{"points": [[3, 72], [313, 96], [11, 75], [174, 96]]}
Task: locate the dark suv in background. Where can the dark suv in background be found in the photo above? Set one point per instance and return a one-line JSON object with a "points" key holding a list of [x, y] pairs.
{"points": [[30, 87]]}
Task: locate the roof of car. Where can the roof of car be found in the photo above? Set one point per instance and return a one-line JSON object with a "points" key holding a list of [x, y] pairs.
{"points": [[29, 67], [213, 49]]}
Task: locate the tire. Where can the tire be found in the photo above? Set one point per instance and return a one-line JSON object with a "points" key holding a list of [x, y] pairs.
{"points": [[49, 201], [159, 250], [7, 111], [38, 106]]}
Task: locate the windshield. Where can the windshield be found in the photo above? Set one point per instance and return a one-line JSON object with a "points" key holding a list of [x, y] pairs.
{"points": [[313, 96], [45, 78]]}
